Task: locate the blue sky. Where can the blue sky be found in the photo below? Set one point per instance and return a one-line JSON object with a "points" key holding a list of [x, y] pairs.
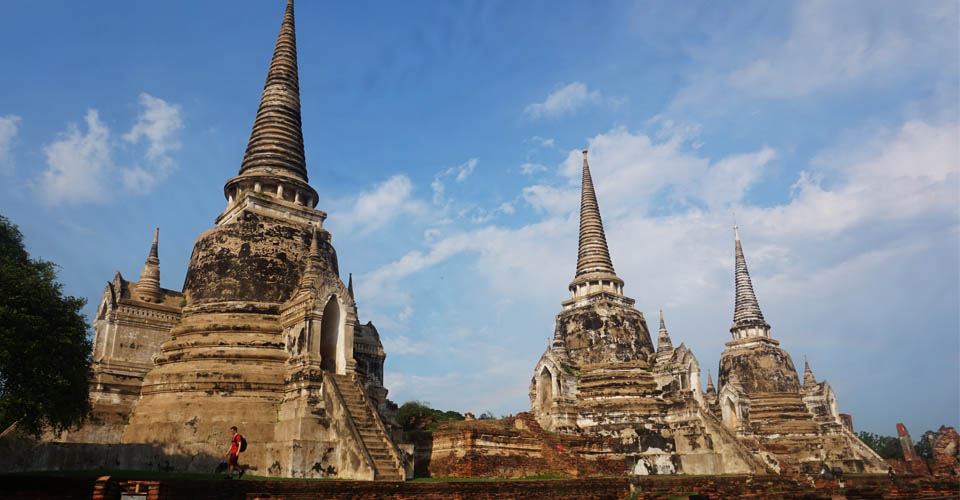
{"points": [[443, 138]]}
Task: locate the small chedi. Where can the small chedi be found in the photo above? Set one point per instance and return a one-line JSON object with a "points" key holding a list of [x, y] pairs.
{"points": [[602, 377], [264, 336]]}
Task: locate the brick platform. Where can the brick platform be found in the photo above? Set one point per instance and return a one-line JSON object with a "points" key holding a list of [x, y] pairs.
{"points": [[646, 488]]}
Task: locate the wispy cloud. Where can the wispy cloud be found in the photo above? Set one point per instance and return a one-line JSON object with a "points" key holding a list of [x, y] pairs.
{"points": [[373, 209], [80, 164], [461, 171], [158, 123], [9, 126], [568, 99], [542, 142], [682, 261], [831, 43], [532, 168]]}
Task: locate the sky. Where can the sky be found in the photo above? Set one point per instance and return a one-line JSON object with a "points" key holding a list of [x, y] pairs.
{"points": [[444, 140]]}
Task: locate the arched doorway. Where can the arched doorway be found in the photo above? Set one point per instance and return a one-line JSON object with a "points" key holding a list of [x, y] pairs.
{"points": [[329, 334], [545, 388], [729, 412]]}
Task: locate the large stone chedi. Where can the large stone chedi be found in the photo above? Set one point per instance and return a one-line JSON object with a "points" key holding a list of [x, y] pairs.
{"points": [[266, 340], [264, 336], [761, 398], [602, 377]]}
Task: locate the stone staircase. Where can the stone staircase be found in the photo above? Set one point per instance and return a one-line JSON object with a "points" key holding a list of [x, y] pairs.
{"points": [[378, 444]]}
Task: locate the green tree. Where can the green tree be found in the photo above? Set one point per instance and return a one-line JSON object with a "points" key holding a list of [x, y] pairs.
{"points": [[44, 349], [924, 447], [885, 446], [413, 411]]}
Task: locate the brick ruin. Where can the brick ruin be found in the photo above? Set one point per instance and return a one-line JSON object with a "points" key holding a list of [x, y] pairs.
{"points": [[264, 336], [601, 377]]}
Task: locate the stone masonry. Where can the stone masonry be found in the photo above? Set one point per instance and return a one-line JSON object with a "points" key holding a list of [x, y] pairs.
{"points": [[602, 377], [264, 336]]}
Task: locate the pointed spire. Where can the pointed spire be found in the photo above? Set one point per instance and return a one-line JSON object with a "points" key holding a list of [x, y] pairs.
{"points": [[312, 271], [593, 256], [350, 286], [663, 339], [746, 311], [710, 388], [276, 142], [808, 379], [148, 288], [153, 248], [275, 152]]}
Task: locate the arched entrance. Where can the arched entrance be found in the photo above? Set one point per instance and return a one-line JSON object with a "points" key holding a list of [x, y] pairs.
{"points": [[545, 388], [329, 334]]}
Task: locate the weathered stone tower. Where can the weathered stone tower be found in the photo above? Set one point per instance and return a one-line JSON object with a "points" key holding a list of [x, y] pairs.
{"points": [[602, 377], [264, 336], [266, 340], [761, 399]]}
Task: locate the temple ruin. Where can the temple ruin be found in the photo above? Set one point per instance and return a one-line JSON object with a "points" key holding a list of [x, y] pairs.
{"points": [[264, 336], [602, 377]]}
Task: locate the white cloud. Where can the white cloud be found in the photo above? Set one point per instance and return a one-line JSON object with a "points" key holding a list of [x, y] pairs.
{"points": [[532, 168], [831, 43], [78, 164], [550, 199], [542, 142], [158, 122], [482, 216], [461, 171], [568, 99], [728, 180], [9, 125], [828, 244], [81, 167], [912, 174], [374, 209]]}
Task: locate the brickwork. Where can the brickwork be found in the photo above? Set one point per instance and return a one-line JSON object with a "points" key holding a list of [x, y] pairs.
{"points": [[511, 448], [645, 488], [946, 452]]}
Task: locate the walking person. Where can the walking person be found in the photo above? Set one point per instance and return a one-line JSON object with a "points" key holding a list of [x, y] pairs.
{"points": [[237, 444]]}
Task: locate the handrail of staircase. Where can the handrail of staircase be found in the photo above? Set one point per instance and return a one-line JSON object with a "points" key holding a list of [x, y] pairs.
{"points": [[393, 447], [718, 425], [350, 424]]}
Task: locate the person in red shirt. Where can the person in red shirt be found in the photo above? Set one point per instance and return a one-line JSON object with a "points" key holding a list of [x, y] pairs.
{"points": [[234, 454]]}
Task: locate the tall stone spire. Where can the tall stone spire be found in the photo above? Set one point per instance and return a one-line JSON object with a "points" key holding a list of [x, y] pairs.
{"points": [[148, 288], [710, 388], [275, 156], [747, 319], [594, 265], [808, 379], [350, 286], [663, 339]]}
